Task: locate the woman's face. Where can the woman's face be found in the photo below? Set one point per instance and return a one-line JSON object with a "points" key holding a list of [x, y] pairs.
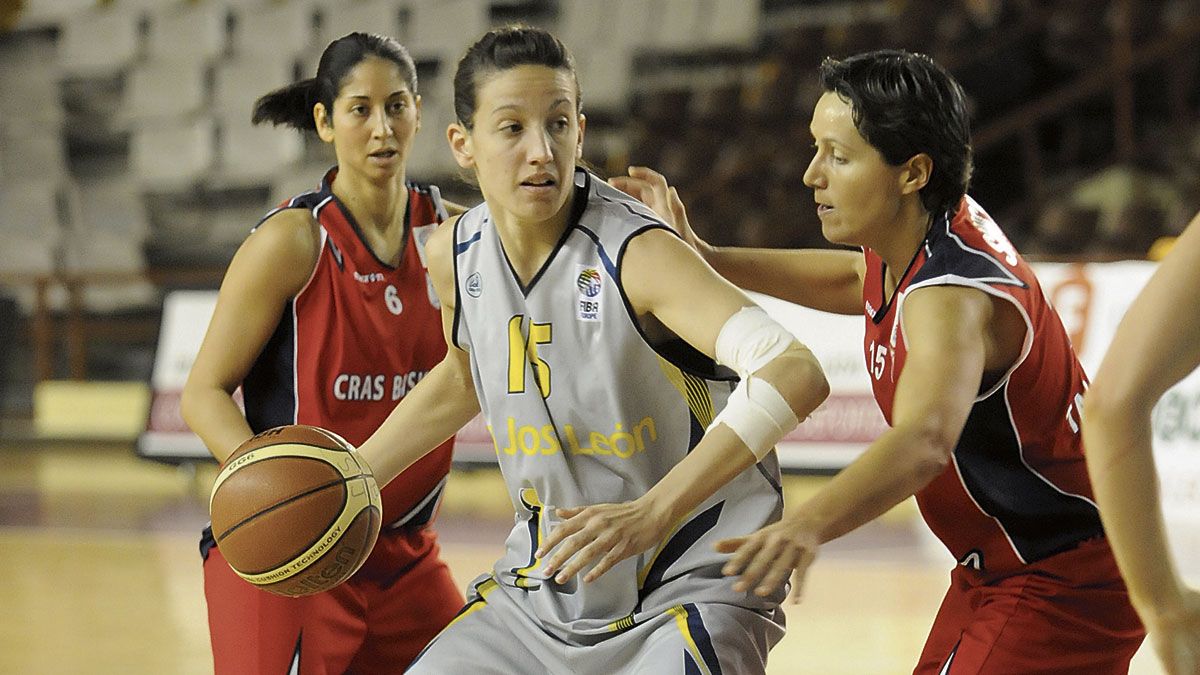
{"points": [[858, 193], [373, 121], [527, 136]]}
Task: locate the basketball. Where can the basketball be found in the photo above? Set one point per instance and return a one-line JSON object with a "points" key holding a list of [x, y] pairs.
{"points": [[295, 511]]}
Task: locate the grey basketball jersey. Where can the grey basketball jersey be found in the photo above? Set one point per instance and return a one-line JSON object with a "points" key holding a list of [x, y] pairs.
{"points": [[584, 410]]}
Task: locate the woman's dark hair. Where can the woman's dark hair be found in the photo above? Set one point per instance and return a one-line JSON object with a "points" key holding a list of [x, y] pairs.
{"points": [[293, 105], [501, 49], [905, 104]]}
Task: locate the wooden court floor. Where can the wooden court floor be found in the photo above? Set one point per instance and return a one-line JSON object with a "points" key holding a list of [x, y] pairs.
{"points": [[98, 553]]}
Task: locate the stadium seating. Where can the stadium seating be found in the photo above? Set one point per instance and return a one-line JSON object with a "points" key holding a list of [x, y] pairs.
{"points": [[99, 42]]}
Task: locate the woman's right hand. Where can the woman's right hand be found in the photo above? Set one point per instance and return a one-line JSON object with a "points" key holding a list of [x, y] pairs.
{"points": [[651, 188], [764, 560]]}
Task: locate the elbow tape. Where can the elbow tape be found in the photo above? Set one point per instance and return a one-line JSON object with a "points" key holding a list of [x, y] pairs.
{"points": [[758, 414], [750, 339], [756, 411]]}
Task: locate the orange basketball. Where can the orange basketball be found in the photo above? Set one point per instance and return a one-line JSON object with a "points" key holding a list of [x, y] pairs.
{"points": [[295, 511]]}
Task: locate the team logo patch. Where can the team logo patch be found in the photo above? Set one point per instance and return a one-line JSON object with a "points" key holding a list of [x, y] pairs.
{"points": [[589, 282], [474, 285], [590, 285]]}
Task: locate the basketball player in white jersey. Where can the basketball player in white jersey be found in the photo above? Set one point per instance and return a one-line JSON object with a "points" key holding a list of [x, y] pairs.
{"points": [[586, 332]]}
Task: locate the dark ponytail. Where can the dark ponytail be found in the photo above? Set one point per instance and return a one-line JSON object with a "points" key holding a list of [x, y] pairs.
{"points": [[293, 105], [290, 106]]}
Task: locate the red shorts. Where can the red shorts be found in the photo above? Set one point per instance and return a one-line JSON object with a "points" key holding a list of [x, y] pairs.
{"points": [[1068, 614], [377, 622]]}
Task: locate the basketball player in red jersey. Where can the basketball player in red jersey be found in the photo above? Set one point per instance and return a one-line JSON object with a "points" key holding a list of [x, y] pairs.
{"points": [[971, 367], [1156, 345], [326, 317]]}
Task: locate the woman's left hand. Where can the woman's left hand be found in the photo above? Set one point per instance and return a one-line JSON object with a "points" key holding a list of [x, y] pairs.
{"points": [[604, 533]]}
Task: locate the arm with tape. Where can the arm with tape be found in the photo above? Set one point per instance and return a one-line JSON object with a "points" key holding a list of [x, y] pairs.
{"points": [[756, 416], [756, 412], [782, 382]]}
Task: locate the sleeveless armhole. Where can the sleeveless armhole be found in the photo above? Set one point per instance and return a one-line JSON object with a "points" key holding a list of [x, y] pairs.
{"points": [[676, 351], [457, 293], [991, 291], [439, 207], [322, 239]]}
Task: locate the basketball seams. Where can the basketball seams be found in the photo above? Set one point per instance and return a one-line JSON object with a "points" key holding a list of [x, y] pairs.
{"points": [[335, 458], [337, 527], [354, 505], [283, 503]]}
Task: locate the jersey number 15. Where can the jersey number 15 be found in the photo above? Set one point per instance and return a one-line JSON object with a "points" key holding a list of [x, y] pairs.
{"points": [[523, 349]]}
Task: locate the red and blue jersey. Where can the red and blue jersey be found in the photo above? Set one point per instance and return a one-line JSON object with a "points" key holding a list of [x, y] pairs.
{"points": [[1016, 490], [355, 340]]}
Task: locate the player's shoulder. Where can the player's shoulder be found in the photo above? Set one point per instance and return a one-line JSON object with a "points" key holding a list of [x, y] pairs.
{"points": [[442, 237], [290, 233], [966, 245], [278, 256], [615, 221], [609, 205]]}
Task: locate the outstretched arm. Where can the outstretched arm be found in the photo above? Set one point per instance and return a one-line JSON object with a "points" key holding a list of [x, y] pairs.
{"points": [[786, 384], [1156, 345], [952, 341], [827, 280], [443, 401]]}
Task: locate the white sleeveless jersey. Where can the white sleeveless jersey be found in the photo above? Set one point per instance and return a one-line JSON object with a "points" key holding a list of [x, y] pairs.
{"points": [[583, 410]]}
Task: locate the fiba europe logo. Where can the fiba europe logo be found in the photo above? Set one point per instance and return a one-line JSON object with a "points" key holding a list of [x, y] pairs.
{"points": [[589, 282], [587, 305]]}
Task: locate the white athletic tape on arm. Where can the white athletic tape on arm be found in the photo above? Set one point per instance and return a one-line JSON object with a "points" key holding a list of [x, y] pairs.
{"points": [[750, 339], [758, 414], [756, 411]]}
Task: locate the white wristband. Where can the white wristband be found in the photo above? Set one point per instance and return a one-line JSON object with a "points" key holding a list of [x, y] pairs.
{"points": [[758, 414]]}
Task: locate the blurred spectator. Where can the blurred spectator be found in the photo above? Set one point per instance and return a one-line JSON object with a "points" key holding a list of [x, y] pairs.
{"points": [[1062, 229], [1123, 193], [1134, 230], [1076, 35]]}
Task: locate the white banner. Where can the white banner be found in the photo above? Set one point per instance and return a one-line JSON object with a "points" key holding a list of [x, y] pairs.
{"points": [[1091, 299], [185, 318]]}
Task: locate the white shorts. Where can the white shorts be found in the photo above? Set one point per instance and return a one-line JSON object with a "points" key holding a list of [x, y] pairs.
{"points": [[494, 635]]}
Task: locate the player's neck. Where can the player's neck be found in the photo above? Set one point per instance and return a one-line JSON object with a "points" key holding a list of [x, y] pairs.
{"points": [[375, 206], [528, 244], [378, 210], [902, 241]]}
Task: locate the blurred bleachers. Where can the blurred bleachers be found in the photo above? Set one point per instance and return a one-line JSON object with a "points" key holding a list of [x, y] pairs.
{"points": [[129, 165]]}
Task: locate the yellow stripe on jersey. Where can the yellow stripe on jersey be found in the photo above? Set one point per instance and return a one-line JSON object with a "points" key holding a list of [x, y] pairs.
{"points": [[484, 589], [645, 571], [622, 624], [681, 620], [530, 500], [693, 389]]}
